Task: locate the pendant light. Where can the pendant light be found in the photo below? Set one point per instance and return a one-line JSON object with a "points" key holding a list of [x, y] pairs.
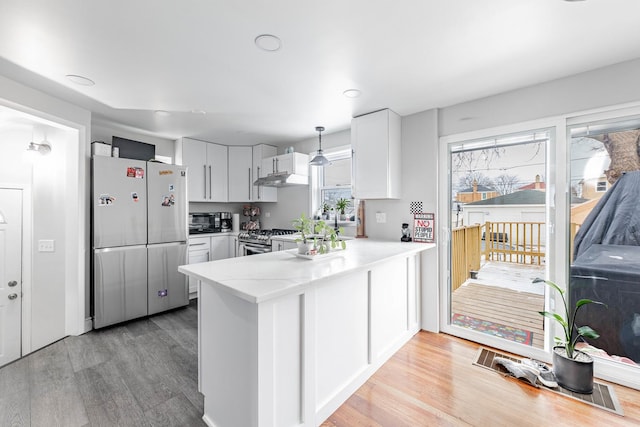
{"points": [[319, 159]]}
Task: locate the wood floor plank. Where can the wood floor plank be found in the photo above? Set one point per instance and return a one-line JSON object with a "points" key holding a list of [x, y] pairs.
{"points": [[14, 394], [434, 372], [55, 398]]}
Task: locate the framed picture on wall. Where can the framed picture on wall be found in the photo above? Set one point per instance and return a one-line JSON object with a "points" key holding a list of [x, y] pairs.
{"points": [[424, 227]]}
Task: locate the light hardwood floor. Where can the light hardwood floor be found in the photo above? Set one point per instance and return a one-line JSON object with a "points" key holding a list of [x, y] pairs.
{"points": [[431, 382], [144, 373]]}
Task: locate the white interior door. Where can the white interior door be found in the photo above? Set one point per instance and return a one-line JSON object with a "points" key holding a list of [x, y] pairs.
{"points": [[10, 274]]}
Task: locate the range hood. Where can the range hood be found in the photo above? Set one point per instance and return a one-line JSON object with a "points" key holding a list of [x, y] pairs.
{"points": [[282, 179]]}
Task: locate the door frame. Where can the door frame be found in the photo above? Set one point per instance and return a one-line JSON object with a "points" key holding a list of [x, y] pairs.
{"points": [[25, 301], [556, 152]]}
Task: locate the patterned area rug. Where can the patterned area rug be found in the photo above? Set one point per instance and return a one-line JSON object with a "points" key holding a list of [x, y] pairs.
{"points": [[507, 332]]}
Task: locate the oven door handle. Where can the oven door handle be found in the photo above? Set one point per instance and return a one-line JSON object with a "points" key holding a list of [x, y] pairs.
{"points": [[262, 249]]}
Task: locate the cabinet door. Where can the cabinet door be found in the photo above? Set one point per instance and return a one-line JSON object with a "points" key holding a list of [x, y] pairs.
{"points": [[199, 251], [375, 140], [240, 174], [217, 167], [194, 156], [261, 193], [268, 166], [296, 163], [220, 247]]}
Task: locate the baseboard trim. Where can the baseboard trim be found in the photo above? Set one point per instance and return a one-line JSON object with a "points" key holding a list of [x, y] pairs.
{"points": [[88, 325]]}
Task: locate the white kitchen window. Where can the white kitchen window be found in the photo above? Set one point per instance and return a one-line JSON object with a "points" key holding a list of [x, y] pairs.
{"points": [[331, 183]]}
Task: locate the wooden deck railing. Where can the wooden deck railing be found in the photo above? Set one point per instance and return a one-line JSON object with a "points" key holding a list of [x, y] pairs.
{"points": [[516, 242], [466, 252]]}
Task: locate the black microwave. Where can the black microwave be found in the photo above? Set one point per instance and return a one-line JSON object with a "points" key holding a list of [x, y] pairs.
{"points": [[200, 223]]}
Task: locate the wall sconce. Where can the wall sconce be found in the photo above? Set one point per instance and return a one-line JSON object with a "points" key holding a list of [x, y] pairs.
{"points": [[43, 148]]}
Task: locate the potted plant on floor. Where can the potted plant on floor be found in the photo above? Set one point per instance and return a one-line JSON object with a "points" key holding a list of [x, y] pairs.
{"points": [[341, 205], [573, 368]]}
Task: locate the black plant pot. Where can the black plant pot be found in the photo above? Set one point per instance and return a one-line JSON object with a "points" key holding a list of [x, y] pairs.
{"points": [[572, 374]]}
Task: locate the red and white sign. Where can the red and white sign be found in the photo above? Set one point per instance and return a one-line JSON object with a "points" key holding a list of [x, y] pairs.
{"points": [[424, 227]]}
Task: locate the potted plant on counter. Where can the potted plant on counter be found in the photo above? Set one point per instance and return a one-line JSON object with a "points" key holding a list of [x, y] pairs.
{"points": [[304, 225], [316, 237], [325, 210], [326, 238], [573, 368], [341, 205]]}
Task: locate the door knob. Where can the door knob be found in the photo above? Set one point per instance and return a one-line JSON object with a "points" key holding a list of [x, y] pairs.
{"points": [[13, 283], [13, 296]]}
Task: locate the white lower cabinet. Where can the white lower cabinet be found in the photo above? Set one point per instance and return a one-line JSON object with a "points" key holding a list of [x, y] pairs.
{"points": [[208, 248], [199, 251], [282, 245]]}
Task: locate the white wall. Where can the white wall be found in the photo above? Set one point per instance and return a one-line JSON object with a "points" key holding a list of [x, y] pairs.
{"points": [[613, 85], [59, 210], [104, 131]]}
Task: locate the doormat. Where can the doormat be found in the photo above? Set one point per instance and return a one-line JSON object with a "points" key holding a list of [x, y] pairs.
{"points": [[603, 396], [496, 329]]}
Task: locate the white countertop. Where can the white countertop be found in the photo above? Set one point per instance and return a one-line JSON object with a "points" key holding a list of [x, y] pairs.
{"points": [[258, 278]]}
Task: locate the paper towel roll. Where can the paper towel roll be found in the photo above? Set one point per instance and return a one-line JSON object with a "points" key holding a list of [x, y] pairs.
{"points": [[236, 223]]}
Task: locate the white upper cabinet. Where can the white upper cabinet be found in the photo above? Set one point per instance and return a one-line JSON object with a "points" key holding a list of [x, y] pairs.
{"points": [[296, 163], [240, 174], [207, 173], [261, 193], [375, 140]]}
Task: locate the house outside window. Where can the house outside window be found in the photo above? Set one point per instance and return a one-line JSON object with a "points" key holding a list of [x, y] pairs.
{"points": [[331, 183]]}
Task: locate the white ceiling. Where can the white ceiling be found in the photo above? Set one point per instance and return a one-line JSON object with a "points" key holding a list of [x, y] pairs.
{"points": [[407, 55]]}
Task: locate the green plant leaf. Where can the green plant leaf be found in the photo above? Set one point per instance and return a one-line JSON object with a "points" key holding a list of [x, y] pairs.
{"points": [[550, 283], [554, 316], [586, 331]]}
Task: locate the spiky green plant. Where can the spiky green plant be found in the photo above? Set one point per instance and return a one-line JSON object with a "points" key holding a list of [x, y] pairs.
{"points": [[571, 332]]}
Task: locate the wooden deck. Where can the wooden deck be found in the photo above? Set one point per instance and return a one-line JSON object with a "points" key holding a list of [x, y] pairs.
{"points": [[501, 306]]}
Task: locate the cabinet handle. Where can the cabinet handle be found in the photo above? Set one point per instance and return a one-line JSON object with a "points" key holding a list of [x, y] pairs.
{"points": [[197, 244], [12, 283], [277, 165], [259, 187], [205, 181], [249, 184], [273, 164], [210, 182]]}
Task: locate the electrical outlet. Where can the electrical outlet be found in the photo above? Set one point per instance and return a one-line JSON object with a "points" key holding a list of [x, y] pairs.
{"points": [[381, 217], [46, 246], [267, 214]]}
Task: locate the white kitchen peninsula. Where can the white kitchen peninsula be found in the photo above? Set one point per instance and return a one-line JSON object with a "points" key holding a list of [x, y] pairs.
{"points": [[284, 341]]}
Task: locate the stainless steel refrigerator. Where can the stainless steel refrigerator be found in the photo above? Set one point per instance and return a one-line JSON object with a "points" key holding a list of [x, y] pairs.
{"points": [[139, 232]]}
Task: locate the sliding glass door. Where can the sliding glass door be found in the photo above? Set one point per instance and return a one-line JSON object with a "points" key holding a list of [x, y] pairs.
{"points": [[498, 203]]}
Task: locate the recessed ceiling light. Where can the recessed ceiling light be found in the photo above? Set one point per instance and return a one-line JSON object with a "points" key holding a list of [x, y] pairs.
{"points": [[352, 93], [199, 112], [162, 113], [571, 1], [268, 42], [80, 80]]}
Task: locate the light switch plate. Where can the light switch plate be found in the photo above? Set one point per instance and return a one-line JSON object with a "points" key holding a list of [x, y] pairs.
{"points": [[381, 217], [46, 246]]}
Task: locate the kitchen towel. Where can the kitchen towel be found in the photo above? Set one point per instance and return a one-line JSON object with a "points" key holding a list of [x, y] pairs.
{"points": [[236, 223]]}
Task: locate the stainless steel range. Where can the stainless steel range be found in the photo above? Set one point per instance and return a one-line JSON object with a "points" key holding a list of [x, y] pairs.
{"points": [[254, 242]]}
